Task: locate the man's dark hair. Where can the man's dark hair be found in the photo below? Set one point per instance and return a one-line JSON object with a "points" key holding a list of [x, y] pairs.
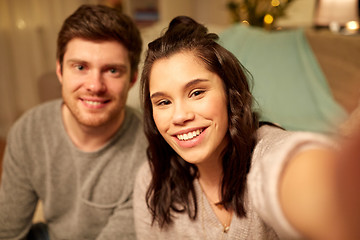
{"points": [[101, 23]]}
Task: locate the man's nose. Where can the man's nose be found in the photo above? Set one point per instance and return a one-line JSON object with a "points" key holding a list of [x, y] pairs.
{"points": [[95, 82]]}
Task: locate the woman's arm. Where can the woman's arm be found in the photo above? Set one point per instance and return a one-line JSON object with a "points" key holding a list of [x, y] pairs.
{"points": [[320, 194], [308, 194]]}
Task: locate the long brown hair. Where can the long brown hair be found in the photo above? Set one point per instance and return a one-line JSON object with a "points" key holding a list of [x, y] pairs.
{"points": [[171, 187]]}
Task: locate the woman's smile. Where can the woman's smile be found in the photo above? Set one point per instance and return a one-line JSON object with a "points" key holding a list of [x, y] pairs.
{"points": [[189, 135], [190, 139]]}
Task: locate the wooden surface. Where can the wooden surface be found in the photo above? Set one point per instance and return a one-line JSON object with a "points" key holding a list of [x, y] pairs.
{"points": [[2, 148], [338, 56]]}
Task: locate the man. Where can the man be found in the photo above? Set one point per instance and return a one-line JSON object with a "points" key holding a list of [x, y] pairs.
{"points": [[79, 154]]}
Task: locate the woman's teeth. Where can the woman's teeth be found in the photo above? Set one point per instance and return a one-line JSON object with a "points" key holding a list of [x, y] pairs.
{"points": [[188, 136]]}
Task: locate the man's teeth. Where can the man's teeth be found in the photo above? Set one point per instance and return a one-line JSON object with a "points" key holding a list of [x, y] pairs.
{"points": [[188, 136], [92, 102]]}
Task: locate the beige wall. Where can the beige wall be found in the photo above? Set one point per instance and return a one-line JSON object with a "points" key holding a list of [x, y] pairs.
{"points": [[300, 13], [28, 31]]}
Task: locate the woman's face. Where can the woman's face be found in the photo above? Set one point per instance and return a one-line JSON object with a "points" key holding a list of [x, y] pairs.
{"points": [[189, 107]]}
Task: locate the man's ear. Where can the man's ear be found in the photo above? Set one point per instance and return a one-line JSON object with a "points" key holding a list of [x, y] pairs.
{"points": [[59, 71], [133, 79]]}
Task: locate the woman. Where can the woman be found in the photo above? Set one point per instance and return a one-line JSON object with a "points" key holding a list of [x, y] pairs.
{"points": [[213, 173]]}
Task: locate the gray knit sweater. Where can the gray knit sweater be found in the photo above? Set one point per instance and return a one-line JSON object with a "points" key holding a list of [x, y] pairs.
{"points": [[86, 195], [265, 219]]}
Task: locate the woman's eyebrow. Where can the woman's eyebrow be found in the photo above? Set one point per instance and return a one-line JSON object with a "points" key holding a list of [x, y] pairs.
{"points": [[188, 85], [194, 82], [157, 94]]}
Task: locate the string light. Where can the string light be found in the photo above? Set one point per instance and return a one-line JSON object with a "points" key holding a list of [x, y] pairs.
{"points": [[268, 19], [275, 3]]}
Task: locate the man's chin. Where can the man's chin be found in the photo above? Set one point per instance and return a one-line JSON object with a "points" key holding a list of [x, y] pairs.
{"points": [[93, 122]]}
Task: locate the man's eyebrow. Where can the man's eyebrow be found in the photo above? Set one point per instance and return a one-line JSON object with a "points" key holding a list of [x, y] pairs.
{"points": [[188, 85], [75, 60], [116, 65], [110, 65]]}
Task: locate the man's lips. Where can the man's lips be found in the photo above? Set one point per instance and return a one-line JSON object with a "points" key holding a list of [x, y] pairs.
{"points": [[96, 103]]}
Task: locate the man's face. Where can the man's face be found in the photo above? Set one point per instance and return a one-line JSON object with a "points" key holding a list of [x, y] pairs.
{"points": [[95, 78]]}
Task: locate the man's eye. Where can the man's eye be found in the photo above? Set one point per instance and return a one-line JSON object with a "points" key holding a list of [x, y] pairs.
{"points": [[113, 70], [80, 67]]}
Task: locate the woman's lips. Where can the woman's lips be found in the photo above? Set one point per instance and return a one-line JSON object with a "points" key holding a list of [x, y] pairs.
{"points": [[190, 135]]}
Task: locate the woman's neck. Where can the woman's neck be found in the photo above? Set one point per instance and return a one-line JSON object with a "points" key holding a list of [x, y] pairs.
{"points": [[210, 178]]}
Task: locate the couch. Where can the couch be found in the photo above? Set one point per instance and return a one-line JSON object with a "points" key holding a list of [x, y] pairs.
{"points": [[339, 92]]}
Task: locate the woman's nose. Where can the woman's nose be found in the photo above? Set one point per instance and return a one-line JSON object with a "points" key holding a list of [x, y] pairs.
{"points": [[182, 114]]}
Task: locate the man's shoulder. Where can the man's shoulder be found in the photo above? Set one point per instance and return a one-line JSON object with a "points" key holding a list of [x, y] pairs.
{"points": [[134, 113], [37, 117], [133, 121], [42, 109]]}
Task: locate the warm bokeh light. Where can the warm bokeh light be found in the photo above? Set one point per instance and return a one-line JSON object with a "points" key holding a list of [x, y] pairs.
{"points": [[20, 24], [275, 3], [268, 19], [340, 11], [352, 25]]}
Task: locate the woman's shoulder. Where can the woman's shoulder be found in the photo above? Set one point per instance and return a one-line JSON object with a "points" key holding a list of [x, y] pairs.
{"points": [[275, 145], [272, 137]]}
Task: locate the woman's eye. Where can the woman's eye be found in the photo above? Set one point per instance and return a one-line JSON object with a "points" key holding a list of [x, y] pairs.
{"points": [[163, 103], [196, 93]]}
